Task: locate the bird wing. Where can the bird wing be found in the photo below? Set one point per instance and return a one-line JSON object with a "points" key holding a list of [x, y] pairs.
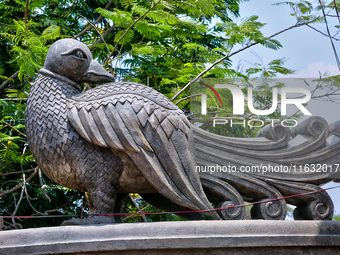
{"points": [[148, 127]]}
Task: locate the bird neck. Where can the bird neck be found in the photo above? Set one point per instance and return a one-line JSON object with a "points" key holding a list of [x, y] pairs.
{"points": [[46, 118], [60, 78]]}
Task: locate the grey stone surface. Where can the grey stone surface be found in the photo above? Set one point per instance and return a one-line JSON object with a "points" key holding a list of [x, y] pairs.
{"points": [[190, 237]]}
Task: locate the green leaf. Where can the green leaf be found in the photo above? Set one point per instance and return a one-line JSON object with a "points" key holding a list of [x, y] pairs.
{"points": [[124, 36], [120, 18]]}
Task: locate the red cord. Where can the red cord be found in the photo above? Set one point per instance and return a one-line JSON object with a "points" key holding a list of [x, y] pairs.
{"points": [[176, 212]]}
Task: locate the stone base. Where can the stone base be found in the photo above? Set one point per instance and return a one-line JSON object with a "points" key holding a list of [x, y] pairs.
{"points": [[188, 237]]}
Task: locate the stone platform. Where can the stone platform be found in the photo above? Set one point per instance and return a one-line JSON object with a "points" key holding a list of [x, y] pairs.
{"points": [[186, 237]]}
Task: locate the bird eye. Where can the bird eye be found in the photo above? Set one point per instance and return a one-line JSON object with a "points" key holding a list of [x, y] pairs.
{"points": [[79, 54]]}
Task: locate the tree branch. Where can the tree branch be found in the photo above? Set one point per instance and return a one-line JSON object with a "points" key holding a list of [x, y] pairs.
{"points": [[13, 226], [127, 30], [141, 210], [13, 77], [14, 99], [188, 97], [329, 35], [26, 10], [103, 36], [61, 206], [234, 53], [69, 9], [336, 10], [43, 187], [17, 172], [16, 130], [18, 204], [97, 20], [137, 207], [107, 47], [18, 186], [317, 30]]}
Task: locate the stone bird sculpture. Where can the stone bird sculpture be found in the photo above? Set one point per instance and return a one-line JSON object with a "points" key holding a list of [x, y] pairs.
{"points": [[112, 140]]}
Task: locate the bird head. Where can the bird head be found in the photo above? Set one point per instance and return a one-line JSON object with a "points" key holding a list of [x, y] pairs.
{"points": [[73, 59]]}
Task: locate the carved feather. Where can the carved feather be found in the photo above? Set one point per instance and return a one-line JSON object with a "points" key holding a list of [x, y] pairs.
{"points": [[150, 129]]}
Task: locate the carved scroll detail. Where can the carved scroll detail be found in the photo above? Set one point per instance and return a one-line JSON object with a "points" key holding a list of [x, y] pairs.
{"points": [[222, 194], [313, 142]]}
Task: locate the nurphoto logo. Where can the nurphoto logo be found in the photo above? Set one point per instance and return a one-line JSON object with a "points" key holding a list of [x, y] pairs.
{"points": [[238, 100], [238, 104]]}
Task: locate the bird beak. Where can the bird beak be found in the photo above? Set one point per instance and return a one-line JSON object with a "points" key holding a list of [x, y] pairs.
{"points": [[96, 74]]}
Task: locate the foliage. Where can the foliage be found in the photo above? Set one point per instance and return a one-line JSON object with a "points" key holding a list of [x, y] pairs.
{"points": [[170, 48], [145, 207], [29, 49]]}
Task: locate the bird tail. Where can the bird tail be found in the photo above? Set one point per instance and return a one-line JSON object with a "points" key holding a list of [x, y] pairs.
{"points": [[313, 142]]}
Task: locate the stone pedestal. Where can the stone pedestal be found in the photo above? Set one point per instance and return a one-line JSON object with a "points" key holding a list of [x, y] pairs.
{"points": [[188, 237]]}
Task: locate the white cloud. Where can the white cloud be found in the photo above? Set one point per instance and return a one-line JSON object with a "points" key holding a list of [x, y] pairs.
{"points": [[312, 70]]}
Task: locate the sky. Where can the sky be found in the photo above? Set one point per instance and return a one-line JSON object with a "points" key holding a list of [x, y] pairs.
{"points": [[305, 50]]}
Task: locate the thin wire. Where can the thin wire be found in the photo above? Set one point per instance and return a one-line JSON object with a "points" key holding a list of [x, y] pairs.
{"points": [[175, 212], [330, 37], [336, 10]]}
